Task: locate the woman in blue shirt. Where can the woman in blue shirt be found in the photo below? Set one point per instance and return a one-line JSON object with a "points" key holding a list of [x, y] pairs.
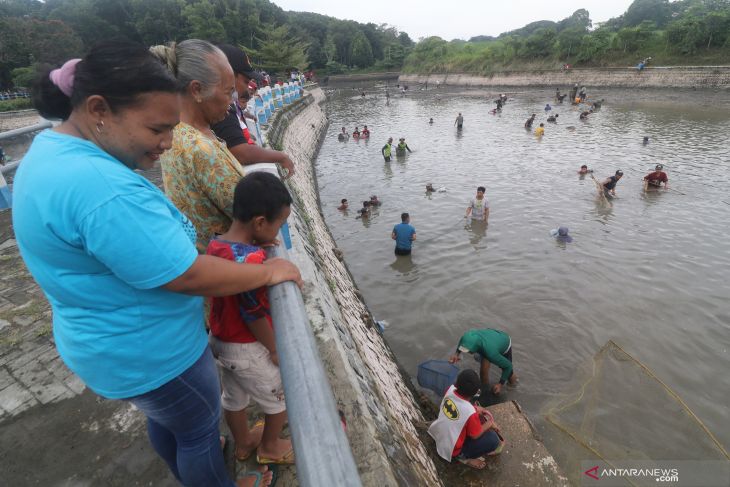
{"points": [[117, 260]]}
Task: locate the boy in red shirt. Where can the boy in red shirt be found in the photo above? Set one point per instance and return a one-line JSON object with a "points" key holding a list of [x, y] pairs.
{"points": [[656, 178], [463, 431], [241, 330]]}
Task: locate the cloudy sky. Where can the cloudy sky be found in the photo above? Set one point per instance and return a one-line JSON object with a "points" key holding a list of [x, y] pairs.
{"points": [[456, 18]]}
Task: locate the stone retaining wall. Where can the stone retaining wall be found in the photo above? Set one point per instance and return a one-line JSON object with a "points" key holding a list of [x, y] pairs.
{"points": [[660, 77], [379, 408]]}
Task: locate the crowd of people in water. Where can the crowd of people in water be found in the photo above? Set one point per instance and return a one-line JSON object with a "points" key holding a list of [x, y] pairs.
{"points": [[464, 430]]}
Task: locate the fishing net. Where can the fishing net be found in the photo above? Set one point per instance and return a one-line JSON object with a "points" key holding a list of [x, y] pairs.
{"points": [[623, 412]]}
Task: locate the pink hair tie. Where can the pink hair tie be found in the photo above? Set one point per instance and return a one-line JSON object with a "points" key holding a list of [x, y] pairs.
{"points": [[63, 77]]}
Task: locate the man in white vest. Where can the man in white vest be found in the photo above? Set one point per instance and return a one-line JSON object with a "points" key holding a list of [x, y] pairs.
{"points": [[463, 431]]}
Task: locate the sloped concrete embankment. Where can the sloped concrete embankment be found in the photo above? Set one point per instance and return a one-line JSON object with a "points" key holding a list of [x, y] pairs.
{"points": [[659, 77], [379, 408]]}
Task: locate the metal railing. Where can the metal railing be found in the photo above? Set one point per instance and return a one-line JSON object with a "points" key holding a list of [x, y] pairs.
{"points": [[9, 134], [322, 451]]}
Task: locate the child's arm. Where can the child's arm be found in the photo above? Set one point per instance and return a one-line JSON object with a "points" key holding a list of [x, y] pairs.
{"points": [[263, 332]]}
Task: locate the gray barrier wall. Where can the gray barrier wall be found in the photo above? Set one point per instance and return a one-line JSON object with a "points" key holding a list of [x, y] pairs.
{"points": [[658, 77]]}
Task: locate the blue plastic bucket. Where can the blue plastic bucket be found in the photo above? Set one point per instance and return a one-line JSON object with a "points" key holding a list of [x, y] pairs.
{"points": [[437, 375]]}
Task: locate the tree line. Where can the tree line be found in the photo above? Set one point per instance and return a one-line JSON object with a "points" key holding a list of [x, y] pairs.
{"points": [[671, 33], [33, 32]]}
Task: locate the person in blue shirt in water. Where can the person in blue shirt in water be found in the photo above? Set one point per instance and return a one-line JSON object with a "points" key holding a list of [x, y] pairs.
{"points": [[404, 235]]}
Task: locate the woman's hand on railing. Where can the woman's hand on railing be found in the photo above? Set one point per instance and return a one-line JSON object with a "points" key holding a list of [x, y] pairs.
{"points": [[283, 270]]}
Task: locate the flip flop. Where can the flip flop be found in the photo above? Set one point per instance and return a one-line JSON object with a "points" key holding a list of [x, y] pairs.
{"points": [[465, 461], [259, 477], [243, 458], [287, 459]]}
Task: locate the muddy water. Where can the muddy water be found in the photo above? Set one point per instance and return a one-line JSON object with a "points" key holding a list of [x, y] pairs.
{"points": [[650, 271]]}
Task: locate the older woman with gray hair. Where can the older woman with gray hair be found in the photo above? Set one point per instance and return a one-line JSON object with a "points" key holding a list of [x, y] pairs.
{"points": [[199, 173]]}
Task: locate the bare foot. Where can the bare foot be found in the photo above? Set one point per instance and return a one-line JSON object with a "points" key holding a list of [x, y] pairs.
{"points": [[477, 463], [281, 450], [244, 450], [249, 479]]}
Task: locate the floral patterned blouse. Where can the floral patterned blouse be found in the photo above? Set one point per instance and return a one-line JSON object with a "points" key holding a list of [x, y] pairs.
{"points": [[200, 175]]}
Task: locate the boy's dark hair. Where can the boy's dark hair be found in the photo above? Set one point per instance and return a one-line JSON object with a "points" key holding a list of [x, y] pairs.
{"points": [[259, 194], [468, 383], [135, 72], [482, 189], [343, 200], [404, 217], [366, 203], [584, 166]]}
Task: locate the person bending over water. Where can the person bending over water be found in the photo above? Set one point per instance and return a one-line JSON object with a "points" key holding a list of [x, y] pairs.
{"points": [[343, 204], [608, 185], [464, 431], [356, 133], [540, 131], [656, 178], [493, 347], [584, 115], [528, 123], [553, 118], [342, 136], [365, 132]]}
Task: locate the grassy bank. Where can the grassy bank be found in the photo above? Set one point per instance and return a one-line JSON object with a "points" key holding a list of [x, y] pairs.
{"points": [[17, 104]]}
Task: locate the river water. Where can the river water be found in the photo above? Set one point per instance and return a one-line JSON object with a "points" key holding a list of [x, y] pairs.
{"points": [[649, 272]]}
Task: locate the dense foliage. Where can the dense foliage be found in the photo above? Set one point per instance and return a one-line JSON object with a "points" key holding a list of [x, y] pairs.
{"points": [[685, 32], [52, 31]]}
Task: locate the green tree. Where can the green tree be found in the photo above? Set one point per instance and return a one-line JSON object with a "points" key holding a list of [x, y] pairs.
{"points": [[569, 40], [540, 43], [280, 51], [160, 21], [23, 77], [361, 53], [657, 11], [203, 22]]}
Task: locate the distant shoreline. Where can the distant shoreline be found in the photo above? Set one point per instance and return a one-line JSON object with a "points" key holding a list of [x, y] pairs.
{"points": [[615, 77]]}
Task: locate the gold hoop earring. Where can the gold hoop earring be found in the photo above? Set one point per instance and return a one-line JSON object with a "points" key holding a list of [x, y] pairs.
{"points": [[100, 126], [199, 100]]}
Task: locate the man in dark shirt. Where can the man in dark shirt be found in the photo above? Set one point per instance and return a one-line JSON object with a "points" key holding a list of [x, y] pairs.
{"points": [[528, 123], [230, 128]]}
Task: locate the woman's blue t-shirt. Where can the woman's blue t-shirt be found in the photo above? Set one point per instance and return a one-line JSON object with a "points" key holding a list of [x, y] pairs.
{"points": [[101, 240]]}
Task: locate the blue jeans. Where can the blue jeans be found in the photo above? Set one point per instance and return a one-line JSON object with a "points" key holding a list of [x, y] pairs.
{"points": [[182, 423], [477, 447]]}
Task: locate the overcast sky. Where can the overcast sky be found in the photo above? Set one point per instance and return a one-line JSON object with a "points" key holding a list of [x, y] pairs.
{"points": [[456, 18]]}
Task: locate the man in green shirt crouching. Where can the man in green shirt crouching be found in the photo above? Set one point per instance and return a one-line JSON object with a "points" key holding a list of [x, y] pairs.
{"points": [[493, 347]]}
